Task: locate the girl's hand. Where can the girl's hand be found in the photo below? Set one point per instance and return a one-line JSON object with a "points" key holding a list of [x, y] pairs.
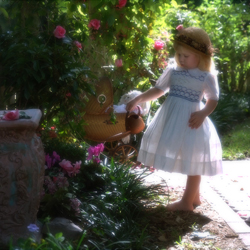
{"points": [[196, 119], [132, 105]]}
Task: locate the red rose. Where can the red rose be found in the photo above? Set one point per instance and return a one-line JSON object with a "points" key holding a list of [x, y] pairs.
{"points": [[121, 4], [118, 62], [94, 24], [11, 115], [59, 32], [78, 45], [158, 45]]}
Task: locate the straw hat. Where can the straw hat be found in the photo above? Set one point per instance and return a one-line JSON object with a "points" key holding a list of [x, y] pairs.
{"points": [[195, 39]]}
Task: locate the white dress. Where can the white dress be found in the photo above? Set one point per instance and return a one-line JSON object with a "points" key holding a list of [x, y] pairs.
{"points": [[169, 143]]}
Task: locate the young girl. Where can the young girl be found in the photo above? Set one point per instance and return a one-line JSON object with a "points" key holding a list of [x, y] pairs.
{"points": [[181, 138]]}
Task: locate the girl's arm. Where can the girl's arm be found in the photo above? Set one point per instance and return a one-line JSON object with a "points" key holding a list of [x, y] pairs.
{"points": [[197, 118], [148, 95]]}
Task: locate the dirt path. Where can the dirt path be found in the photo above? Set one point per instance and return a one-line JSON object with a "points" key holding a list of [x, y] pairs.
{"points": [[216, 223]]}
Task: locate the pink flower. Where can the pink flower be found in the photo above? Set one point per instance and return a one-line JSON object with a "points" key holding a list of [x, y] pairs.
{"points": [[94, 24], [78, 45], [59, 32], [66, 165], [101, 147], [77, 167], [118, 62], [95, 151], [68, 94], [91, 151], [61, 181], [97, 160], [56, 156], [11, 115], [121, 4], [158, 45], [179, 27], [48, 161], [75, 204], [52, 188], [98, 149]]}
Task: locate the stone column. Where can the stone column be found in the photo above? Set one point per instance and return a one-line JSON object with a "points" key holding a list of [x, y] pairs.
{"points": [[22, 163]]}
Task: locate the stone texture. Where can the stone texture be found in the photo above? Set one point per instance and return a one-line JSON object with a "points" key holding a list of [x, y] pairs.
{"points": [[21, 175]]}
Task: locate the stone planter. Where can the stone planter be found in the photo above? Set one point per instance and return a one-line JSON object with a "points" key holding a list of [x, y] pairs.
{"points": [[22, 163]]}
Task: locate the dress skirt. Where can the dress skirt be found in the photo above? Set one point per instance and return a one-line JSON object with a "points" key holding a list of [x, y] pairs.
{"points": [[170, 144]]}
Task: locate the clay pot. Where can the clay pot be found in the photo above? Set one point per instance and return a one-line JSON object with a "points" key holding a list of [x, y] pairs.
{"points": [[134, 123]]}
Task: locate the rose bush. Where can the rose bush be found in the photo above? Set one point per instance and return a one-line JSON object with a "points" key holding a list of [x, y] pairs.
{"points": [[121, 4], [95, 24], [78, 45], [59, 32], [118, 63], [159, 45]]}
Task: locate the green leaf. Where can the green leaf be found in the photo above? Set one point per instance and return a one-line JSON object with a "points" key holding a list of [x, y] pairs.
{"points": [[5, 13], [111, 20]]}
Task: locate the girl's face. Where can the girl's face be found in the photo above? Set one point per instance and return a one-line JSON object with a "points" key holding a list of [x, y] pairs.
{"points": [[187, 59]]}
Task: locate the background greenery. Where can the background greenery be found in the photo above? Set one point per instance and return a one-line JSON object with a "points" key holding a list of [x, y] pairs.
{"points": [[40, 70]]}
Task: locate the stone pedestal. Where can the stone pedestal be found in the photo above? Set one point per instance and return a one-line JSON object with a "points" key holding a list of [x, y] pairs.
{"points": [[22, 163]]}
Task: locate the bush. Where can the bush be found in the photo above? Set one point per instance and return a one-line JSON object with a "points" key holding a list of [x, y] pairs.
{"points": [[232, 109]]}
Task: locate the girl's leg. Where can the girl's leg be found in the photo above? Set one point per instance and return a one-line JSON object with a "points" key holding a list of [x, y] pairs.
{"points": [[197, 200], [190, 196]]}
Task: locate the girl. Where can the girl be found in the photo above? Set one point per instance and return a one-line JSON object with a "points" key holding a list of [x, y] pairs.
{"points": [[181, 138]]}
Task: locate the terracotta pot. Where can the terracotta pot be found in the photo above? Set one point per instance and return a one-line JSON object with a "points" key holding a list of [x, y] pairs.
{"points": [[134, 123], [22, 163]]}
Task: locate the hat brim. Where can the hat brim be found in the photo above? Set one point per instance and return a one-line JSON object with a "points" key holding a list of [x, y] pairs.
{"points": [[191, 48]]}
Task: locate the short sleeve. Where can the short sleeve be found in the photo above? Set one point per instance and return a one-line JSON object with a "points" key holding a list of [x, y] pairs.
{"points": [[211, 90], [163, 82]]}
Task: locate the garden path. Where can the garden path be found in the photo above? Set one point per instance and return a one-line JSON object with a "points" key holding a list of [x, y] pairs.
{"points": [[228, 194]]}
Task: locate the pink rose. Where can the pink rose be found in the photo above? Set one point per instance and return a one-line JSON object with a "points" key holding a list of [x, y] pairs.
{"points": [[59, 32], [158, 45], [118, 62], [11, 115], [179, 27], [94, 24], [121, 4], [78, 45], [66, 165]]}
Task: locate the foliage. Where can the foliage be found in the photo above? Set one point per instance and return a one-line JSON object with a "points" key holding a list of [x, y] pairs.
{"points": [[111, 199], [52, 242], [232, 109], [54, 73], [235, 143], [115, 213]]}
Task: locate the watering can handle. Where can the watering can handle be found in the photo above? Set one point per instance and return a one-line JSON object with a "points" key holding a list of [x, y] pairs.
{"points": [[139, 112]]}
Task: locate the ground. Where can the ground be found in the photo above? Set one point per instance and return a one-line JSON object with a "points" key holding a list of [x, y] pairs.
{"points": [[188, 228]]}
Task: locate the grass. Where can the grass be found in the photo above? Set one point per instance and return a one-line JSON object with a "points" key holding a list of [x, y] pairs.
{"points": [[236, 143]]}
